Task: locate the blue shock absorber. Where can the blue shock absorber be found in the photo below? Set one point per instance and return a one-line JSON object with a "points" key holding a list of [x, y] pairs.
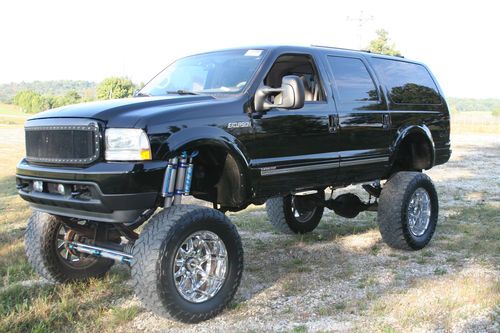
{"points": [[166, 179], [189, 174], [180, 179], [189, 178], [169, 185]]}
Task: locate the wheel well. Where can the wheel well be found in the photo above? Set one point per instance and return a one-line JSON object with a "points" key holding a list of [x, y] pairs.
{"points": [[218, 177], [414, 153]]}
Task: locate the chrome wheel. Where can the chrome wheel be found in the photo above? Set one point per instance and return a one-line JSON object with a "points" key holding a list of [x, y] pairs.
{"points": [[200, 266], [300, 214], [419, 212]]}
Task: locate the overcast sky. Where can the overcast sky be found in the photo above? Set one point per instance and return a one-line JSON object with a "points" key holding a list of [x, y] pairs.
{"points": [[91, 40]]}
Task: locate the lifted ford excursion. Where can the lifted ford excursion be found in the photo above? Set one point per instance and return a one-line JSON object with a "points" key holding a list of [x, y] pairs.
{"points": [[273, 125]]}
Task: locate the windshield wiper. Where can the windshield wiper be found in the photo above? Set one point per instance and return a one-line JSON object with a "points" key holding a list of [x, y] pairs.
{"points": [[141, 94], [182, 92]]}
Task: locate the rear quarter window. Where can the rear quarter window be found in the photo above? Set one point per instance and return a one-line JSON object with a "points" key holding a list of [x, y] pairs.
{"points": [[407, 83]]}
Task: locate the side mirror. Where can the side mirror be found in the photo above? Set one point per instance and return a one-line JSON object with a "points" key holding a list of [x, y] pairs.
{"points": [[290, 95], [136, 93]]}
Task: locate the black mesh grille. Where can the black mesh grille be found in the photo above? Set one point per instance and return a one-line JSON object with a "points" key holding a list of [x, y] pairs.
{"points": [[62, 144]]}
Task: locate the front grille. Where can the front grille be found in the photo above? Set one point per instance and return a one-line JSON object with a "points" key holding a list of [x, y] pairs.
{"points": [[63, 144]]}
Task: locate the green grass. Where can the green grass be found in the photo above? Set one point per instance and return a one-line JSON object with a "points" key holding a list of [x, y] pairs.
{"points": [[299, 329], [73, 307], [13, 214], [331, 309], [10, 109], [297, 265], [440, 271], [251, 222], [474, 230], [11, 115], [39, 307]]}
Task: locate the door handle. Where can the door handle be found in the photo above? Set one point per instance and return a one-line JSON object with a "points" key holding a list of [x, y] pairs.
{"points": [[386, 121], [333, 123]]}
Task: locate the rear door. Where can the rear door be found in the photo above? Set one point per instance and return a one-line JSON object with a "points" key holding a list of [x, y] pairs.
{"points": [[364, 122]]}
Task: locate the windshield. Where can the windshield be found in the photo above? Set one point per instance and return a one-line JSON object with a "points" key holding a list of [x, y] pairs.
{"points": [[224, 72]]}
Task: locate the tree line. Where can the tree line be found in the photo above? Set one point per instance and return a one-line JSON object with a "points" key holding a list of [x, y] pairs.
{"points": [[32, 101], [86, 89], [473, 104], [38, 96]]}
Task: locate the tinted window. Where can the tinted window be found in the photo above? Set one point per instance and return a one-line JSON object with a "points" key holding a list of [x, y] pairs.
{"points": [[354, 83], [219, 73], [407, 83]]}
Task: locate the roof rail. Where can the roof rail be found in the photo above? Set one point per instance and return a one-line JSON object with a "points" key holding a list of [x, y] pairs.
{"points": [[339, 48], [346, 49]]}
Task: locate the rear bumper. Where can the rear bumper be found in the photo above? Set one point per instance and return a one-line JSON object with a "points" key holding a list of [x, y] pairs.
{"points": [[105, 192]]}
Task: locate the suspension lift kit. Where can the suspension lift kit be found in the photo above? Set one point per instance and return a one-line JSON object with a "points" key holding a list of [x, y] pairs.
{"points": [[176, 183], [178, 178]]}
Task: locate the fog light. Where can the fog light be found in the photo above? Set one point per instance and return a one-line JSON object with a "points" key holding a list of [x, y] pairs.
{"points": [[60, 189], [38, 185]]}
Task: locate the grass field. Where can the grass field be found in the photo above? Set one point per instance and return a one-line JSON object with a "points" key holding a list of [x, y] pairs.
{"points": [[341, 277], [9, 109], [475, 122], [11, 115]]}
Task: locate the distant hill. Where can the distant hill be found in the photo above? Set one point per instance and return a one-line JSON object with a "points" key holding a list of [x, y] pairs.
{"points": [[472, 104], [85, 89]]}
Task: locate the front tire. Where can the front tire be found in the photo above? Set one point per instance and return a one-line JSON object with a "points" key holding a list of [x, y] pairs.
{"points": [[295, 214], [408, 211], [44, 246], [188, 263]]}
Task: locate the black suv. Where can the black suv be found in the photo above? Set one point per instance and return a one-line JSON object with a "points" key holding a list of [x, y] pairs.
{"points": [[273, 125]]}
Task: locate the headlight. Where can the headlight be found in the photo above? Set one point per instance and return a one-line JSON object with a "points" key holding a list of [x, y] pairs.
{"points": [[127, 144]]}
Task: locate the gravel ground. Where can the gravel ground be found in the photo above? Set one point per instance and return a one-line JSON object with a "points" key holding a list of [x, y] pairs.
{"points": [[334, 279], [342, 278]]}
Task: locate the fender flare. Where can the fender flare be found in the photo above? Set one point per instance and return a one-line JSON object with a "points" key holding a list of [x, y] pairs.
{"points": [[190, 138], [401, 135]]}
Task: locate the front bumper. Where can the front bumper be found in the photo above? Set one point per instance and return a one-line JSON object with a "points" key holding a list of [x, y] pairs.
{"points": [[106, 192]]}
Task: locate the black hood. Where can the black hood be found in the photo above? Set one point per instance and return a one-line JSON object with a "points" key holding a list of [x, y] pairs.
{"points": [[127, 112]]}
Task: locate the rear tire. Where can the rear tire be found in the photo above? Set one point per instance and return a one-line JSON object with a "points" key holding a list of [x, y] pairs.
{"points": [[48, 256], [408, 211], [167, 264], [289, 219]]}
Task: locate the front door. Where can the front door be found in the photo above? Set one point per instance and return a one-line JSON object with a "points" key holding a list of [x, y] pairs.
{"points": [[295, 149]]}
